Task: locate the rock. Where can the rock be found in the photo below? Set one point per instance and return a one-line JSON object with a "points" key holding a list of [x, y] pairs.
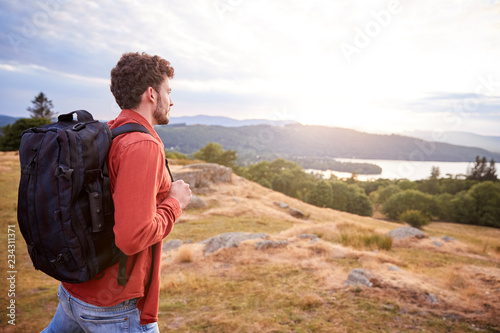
{"points": [[296, 213], [172, 245], [431, 298], [281, 204], [229, 239], [405, 232], [448, 239], [358, 277], [308, 236], [197, 203], [438, 244], [202, 175], [263, 245], [394, 268], [313, 238]]}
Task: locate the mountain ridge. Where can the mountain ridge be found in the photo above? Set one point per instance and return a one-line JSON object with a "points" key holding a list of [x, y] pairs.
{"points": [[488, 142], [254, 140], [257, 142]]}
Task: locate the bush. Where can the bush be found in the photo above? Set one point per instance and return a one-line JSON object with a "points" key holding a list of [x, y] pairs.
{"points": [[487, 198], [214, 153], [415, 218], [463, 208], [359, 203], [444, 206], [10, 139], [340, 195], [409, 199], [385, 193], [321, 194], [175, 155]]}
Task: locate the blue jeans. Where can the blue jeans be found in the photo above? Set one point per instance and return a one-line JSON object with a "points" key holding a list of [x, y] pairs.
{"points": [[75, 316]]}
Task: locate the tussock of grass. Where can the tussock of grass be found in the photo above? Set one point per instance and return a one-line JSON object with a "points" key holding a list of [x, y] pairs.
{"points": [[184, 255], [346, 234]]}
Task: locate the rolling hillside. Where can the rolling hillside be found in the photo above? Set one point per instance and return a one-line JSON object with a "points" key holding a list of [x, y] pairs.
{"points": [[430, 284]]}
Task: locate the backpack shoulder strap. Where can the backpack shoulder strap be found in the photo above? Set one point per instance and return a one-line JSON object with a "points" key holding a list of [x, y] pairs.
{"points": [[128, 128]]}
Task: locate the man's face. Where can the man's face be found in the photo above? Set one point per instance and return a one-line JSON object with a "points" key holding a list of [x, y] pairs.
{"points": [[161, 114]]}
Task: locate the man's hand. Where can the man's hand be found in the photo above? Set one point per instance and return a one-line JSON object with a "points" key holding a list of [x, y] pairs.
{"points": [[181, 192]]}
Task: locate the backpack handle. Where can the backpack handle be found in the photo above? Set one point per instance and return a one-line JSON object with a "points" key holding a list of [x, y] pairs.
{"points": [[81, 116]]}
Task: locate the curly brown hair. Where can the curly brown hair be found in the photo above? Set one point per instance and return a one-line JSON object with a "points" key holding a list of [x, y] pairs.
{"points": [[134, 73]]}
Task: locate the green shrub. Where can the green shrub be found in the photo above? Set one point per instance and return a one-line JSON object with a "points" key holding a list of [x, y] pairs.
{"points": [[487, 198], [359, 203], [444, 206], [409, 199], [175, 155], [384, 193], [463, 208], [10, 137], [321, 194], [415, 218]]}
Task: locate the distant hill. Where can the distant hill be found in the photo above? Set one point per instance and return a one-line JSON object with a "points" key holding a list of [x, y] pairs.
{"points": [[5, 120], [491, 143], [226, 121], [300, 141]]}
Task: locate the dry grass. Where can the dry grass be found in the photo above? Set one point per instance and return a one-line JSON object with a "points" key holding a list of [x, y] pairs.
{"points": [[184, 255], [299, 288]]}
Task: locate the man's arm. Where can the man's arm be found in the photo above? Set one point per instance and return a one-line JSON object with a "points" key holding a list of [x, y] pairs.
{"points": [[139, 222]]}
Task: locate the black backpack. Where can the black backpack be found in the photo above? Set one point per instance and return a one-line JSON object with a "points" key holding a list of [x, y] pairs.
{"points": [[65, 208]]}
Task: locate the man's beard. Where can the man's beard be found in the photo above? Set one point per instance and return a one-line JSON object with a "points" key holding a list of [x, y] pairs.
{"points": [[160, 114]]}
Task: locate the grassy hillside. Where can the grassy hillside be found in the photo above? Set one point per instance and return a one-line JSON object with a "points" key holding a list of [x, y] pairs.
{"points": [[299, 288]]}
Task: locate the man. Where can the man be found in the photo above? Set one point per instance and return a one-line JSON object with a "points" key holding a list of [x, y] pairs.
{"points": [[147, 204]]}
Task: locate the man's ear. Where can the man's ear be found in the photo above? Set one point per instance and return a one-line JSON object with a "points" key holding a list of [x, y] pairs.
{"points": [[149, 95]]}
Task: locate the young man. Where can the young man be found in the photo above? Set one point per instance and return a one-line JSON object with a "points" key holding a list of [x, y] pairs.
{"points": [[147, 204]]}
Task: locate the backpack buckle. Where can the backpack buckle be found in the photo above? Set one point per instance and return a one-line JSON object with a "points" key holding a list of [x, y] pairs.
{"points": [[79, 126]]}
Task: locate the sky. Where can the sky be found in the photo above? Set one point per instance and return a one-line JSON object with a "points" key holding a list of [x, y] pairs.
{"points": [[375, 66]]}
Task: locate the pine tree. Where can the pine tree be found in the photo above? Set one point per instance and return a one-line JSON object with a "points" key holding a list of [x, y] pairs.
{"points": [[42, 107], [481, 171]]}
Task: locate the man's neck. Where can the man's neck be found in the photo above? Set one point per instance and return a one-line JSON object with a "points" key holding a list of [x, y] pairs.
{"points": [[146, 113]]}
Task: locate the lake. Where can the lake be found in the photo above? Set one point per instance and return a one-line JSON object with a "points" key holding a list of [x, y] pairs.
{"points": [[396, 169]]}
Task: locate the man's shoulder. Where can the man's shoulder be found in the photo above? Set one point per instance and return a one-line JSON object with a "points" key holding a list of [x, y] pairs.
{"points": [[134, 139]]}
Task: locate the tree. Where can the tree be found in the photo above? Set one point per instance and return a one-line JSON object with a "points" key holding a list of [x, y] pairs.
{"points": [[463, 208], [340, 196], [321, 194], [214, 153], [435, 172], [42, 107], [444, 206], [481, 171], [384, 193], [406, 200], [10, 138], [260, 173], [486, 195], [358, 202]]}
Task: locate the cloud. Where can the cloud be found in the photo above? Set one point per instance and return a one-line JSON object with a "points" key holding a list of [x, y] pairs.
{"points": [[259, 55]]}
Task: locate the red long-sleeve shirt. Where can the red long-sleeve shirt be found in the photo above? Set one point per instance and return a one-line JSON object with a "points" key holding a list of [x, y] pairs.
{"points": [[143, 216]]}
